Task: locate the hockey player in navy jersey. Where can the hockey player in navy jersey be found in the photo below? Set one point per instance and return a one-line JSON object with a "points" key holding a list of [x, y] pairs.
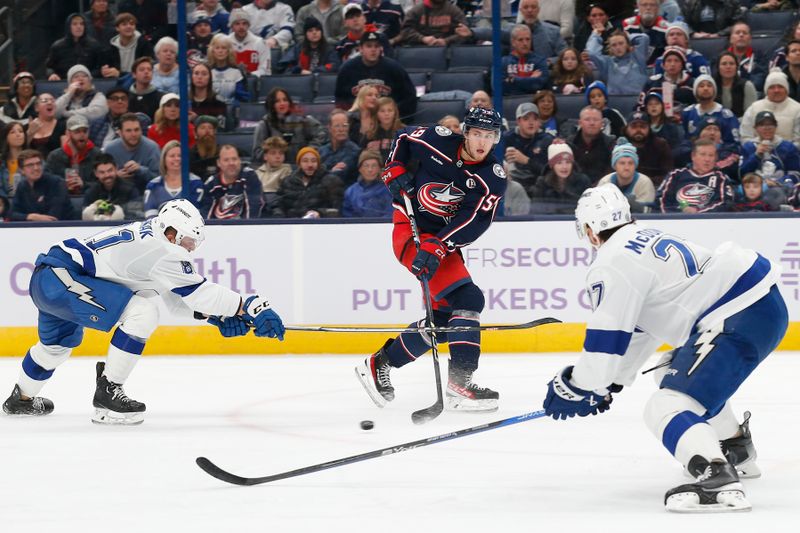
{"points": [[110, 279], [455, 193], [722, 311]]}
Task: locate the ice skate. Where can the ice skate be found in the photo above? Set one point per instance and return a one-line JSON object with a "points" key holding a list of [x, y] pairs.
{"points": [[36, 406], [112, 405], [373, 374], [740, 452], [716, 490], [464, 395]]}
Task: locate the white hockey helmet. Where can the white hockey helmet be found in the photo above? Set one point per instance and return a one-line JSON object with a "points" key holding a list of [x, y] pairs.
{"points": [[601, 208], [184, 218]]}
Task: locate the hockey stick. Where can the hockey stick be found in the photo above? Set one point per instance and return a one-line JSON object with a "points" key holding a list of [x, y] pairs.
{"points": [[435, 329], [223, 475], [429, 413]]}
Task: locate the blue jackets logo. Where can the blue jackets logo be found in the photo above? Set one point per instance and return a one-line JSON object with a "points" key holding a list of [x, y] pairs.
{"points": [[440, 199]]}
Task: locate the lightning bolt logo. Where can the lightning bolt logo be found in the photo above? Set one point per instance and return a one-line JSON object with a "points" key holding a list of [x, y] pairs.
{"points": [[705, 344], [83, 292]]}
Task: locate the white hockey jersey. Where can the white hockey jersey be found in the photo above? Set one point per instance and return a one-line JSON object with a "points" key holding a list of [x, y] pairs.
{"points": [[139, 258], [275, 21], [253, 54], [648, 288]]}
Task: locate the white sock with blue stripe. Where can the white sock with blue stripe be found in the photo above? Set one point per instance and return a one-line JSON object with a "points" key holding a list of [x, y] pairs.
{"points": [[38, 366], [123, 354]]}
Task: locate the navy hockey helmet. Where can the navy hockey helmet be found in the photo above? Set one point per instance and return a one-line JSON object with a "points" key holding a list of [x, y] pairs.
{"points": [[483, 119]]}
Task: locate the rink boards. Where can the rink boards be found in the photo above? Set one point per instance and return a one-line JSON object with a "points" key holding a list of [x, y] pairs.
{"points": [[346, 274]]}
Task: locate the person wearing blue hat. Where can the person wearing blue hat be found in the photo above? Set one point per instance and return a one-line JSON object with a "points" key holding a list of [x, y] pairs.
{"points": [[597, 97], [660, 124], [776, 159], [637, 187]]}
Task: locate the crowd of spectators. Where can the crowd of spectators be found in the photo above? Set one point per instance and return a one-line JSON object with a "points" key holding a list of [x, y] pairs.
{"points": [[702, 132]]}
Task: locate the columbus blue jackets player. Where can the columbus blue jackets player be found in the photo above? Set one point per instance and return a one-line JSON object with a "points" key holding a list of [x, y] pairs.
{"points": [[722, 312], [109, 279], [455, 193]]}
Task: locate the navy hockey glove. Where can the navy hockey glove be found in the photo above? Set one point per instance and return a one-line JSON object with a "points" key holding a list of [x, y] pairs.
{"points": [[232, 326], [430, 254], [266, 322], [397, 180], [565, 400]]}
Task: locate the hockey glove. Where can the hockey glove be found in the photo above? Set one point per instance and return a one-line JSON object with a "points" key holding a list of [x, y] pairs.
{"points": [[232, 326], [266, 322], [397, 180], [565, 400], [430, 254]]}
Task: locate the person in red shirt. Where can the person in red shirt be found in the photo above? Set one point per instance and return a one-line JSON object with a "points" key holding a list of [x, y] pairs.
{"points": [[166, 126]]}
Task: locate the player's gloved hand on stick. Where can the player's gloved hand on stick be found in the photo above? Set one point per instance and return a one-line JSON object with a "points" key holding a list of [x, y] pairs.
{"points": [[565, 400], [397, 180], [266, 322], [232, 326], [430, 254]]}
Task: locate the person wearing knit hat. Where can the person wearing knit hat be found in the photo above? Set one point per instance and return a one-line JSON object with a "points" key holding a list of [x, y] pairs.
{"points": [[307, 150], [559, 151], [705, 90], [216, 14], [678, 36], [636, 186], [22, 105], [80, 96], [368, 196], [674, 72], [597, 97], [558, 190], [251, 51], [776, 99], [310, 191]]}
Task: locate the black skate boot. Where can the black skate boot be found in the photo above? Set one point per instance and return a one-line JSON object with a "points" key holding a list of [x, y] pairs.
{"points": [[36, 406], [464, 395], [740, 452], [374, 376], [717, 489], [112, 405]]}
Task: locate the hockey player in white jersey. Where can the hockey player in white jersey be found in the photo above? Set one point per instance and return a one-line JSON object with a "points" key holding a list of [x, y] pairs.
{"points": [[110, 279], [722, 312]]}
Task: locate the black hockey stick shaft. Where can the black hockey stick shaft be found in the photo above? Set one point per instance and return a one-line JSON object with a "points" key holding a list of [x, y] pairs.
{"points": [[436, 329], [429, 413], [223, 475]]}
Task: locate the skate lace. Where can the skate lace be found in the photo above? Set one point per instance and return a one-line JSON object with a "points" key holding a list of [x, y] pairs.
{"points": [[382, 373], [705, 475], [472, 386], [118, 393], [38, 403]]}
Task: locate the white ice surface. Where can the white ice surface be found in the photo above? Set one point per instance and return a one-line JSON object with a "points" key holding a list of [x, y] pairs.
{"points": [[262, 415]]}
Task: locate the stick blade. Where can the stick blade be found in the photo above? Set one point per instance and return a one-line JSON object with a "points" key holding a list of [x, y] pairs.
{"points": [[214, 471], [426, 415]]}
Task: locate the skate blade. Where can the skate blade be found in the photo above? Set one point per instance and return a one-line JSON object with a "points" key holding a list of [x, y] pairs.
{"points": [[728, 501], [365, 377], [106, 417], [467, 405]]}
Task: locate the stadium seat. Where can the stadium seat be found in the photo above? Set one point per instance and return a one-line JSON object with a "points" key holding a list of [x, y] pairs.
{"points": [[624, 103], [243, 141], [570, 105], [420, 79], [300, 87], [466, 80], [318, 110], [470, 57], [104, 84], [252, 88], [56, 88], [710, 48], [326, 87], [249, 114], [510, 104], [766, 44], [770, 21], [422, 57], [275, 57], [431, 111]]}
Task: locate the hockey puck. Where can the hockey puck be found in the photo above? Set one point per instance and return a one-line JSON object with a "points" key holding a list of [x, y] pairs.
{"points": [[366, 425]]}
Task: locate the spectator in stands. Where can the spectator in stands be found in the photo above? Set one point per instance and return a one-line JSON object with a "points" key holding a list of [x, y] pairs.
{"points": [[778, 59], [22, 105], [678, 36], [597, 97], [711, 18], [204, 154], [526, 146], [45, 131], [80, 96], [99, 22], [5, 206], [525, 72], [434, 23], [591, 147], [389, 75], [733, 92], [75, 159], [363, 115], [654, 154], [570, 74], [596, 20], [106, 128], [312, 54], [774, 158], [671, 10], [727, 158], [558, 190], [792, 69], [560, 13], [144, 96], [169, 183], [251, 52], [452, 123], [273, 21], [328, 12], [705, 90], [368, 196], [547, 105], [203, 99], [274, 170], [387, 125], [217, 15], [546, 37], [661, 125], [137, 156], [284, 119], [230, 84], [125, 47], [111, 198], [167, 124], [751, 195], [650, 22], [40, 197], [387, 17], [234, 192], [166, 71], [636, 186], [75, 48], [516, 201], [482, 99], [786, 110], [12, 143], [151, 16], [340, 155], [678, 78], [197, 41], [794, 199], [624, 69], [356, 24], [752, 65], [310, 192], [699, 188]]}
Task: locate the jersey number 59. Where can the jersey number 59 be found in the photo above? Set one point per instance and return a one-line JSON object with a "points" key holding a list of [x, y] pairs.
{"points": [[490, 203]]}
